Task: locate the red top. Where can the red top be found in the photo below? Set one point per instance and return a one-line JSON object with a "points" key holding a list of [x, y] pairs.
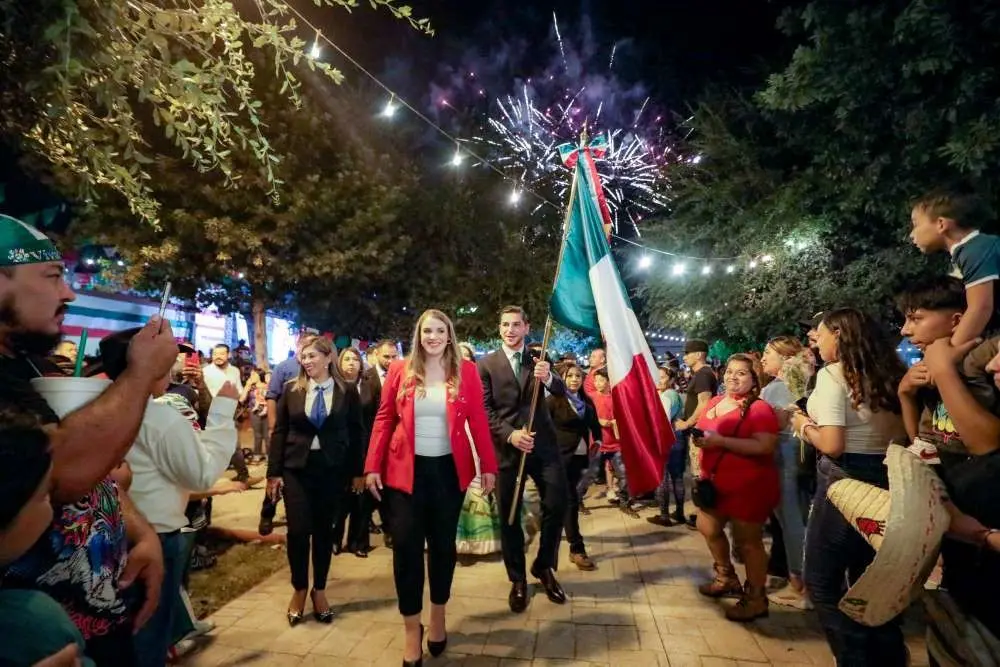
{"points": [[733, 466], [606, 410], [391, 448], [589, 388]]}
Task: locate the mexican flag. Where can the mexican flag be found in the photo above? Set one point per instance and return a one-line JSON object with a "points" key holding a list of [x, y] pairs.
{"points": [[589, 296]]}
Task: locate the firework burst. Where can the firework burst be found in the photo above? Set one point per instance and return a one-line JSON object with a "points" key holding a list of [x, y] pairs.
{"points": [[522, 129]]}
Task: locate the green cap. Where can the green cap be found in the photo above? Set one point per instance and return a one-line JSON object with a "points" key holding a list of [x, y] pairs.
{"points": [[22, 244]]}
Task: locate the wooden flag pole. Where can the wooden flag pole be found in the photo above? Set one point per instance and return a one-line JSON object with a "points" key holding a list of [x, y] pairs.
{"points": [[519, 483]]}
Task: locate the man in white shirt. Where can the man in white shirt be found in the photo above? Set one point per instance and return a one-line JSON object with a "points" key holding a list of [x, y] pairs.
{"points": [[169, 460], [221, 371]]}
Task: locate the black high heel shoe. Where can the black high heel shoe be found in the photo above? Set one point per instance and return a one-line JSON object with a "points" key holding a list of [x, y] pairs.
{"points": [[321, 616], [294, 617], [419, 662], [437, 648]]}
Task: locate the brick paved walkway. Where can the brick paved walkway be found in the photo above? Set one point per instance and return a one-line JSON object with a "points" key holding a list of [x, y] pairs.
{"points": [[639, 608]]}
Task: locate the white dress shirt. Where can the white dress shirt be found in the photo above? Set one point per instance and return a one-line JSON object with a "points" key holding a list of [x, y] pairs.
{"points": [[216, 377], [311, 401], [169, 460]]}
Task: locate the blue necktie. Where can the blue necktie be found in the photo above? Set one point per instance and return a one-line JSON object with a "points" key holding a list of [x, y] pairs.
{"points": [[318, 415]]}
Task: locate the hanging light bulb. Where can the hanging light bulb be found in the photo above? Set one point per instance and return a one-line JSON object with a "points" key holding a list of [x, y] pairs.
{"points": [[390, 107], [697, 313], [679, 269], [515, 197], [456, 159], [706, 270], [730, 269], [645, 262], [753, 264]]}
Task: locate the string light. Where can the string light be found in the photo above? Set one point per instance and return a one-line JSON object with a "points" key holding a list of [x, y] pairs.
{"points": [[395, 102], [390, 107], [316, 50], [645, 262]]}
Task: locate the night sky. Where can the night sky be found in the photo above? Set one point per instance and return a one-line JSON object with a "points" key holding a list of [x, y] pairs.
{"points": [[674, 47]]}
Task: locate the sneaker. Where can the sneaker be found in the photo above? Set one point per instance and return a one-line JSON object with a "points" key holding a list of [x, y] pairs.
{"points": [[927, 452], [789, 597], [660, 520], [180, 649], [583, 562], [725, 584], [201, 628]]}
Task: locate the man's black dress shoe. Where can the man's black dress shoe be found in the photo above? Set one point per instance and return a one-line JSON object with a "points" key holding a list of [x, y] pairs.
{"points": [[552, 588], [266, 527], [518, 597]]}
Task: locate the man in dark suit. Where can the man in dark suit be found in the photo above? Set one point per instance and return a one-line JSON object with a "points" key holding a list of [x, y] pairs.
{"points": [[385, 353], [508, 375]]}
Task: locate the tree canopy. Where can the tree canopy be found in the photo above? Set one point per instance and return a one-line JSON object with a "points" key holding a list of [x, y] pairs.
{"points": [[817, 167], [96, 88]]}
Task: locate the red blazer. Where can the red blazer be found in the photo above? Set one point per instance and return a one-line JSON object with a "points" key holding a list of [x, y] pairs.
{"points": [[391, 448]]}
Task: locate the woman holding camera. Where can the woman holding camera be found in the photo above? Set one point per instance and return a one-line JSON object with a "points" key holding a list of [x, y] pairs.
{"points": [[739, 483]]}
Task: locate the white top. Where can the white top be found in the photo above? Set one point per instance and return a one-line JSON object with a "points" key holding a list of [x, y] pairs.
{"points": [[777, 395], [865, 432], [311, 395], [215, 378], [169, 460], [430, 422]]}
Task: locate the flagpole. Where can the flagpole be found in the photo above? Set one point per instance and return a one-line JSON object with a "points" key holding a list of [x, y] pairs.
{"points": [[519, 483]]}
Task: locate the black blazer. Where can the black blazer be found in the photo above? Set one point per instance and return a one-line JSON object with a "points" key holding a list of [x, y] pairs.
{"points": [[571, 427], [508, 402], [371, 396], [341, 438]]}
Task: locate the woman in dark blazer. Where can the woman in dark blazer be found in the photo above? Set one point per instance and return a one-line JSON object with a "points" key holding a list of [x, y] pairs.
{"points": [[420, 458], [575, 418], [315, 455]]}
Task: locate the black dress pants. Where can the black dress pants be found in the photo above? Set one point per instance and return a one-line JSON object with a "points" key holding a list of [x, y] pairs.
{"points": [[575, 466], [312, 495], [549, 476], [354, 519], [428, 515]]}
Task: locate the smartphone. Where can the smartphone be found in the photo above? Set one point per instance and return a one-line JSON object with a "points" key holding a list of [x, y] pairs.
{"points": [[696, 432], [163, 302], [191, 360]]}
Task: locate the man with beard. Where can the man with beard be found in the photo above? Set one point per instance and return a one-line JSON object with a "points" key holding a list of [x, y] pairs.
{"points": [[508, 375], [99, 546], [215, 375]]}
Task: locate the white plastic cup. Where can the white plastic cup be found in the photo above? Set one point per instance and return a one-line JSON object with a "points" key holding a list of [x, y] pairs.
{"points": [[66, 394]]}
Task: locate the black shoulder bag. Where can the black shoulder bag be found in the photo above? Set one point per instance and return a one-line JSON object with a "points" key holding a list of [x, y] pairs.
{"points": [[704, 495]]}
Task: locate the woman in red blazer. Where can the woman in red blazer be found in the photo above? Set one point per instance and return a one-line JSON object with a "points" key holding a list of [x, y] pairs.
{"points": [[420, 459]]}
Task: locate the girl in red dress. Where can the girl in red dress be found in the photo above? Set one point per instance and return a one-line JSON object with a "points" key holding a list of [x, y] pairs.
{"points": [[740, 432]]}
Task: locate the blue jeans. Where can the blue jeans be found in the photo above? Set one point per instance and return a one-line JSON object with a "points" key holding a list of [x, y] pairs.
{"points": [[790, 512], [673, 476], [836, 556], [595, 465], [154, 639]]}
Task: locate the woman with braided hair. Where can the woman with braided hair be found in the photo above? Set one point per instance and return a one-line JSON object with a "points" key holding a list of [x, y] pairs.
{"points": [[853, 416]]}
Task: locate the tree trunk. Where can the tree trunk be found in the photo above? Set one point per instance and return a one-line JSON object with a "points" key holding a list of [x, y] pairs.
{"points": [[260, 334]]}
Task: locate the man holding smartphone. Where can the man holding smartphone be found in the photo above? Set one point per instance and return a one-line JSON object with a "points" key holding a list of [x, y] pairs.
{"points": [[700, 391]]}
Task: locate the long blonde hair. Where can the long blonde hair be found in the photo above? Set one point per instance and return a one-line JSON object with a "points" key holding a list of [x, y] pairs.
{"points": [[323, 346], [415, 370]]}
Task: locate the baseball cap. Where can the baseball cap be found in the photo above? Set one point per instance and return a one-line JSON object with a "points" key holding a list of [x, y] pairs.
{"points": [[114, 352], [23, 244], [813, 321], [695, 346]]}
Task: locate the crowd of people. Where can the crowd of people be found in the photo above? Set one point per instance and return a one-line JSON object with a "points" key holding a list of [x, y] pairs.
{"points": [[100, 502]]}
